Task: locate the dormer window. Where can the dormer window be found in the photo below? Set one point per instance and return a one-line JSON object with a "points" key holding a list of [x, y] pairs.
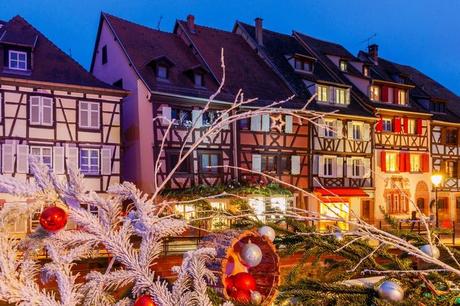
{"points": [[438, 107], [162, 72], [366, 71], [302, 65], [343, 64], [198, 79], [17, 60]]}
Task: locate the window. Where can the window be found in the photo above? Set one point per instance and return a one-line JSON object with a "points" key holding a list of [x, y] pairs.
{"points": [[323, 95], [268, 163], [329, 129], [17, 60], [182, 117], [284, 164], [210, 117], [258, 205], [173, 159], [357, 167], [89, 115], [41, 111], [411, 126], [341, 96], [244, 124], [43, 154], [387, 125], [209, 163], [391, 162], [328, 164], [104, 55], [451, 136], [402, 96], [162, 72], [89, 161], [375, 93], [451, 169], [343, 65], [357, 131], [185, 211], [397, 202], [198, 79], [415, 163], [366, 70], [438, 107], [302, 65]]}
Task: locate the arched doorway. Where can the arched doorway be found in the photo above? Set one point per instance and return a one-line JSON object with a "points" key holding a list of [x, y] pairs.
{"points": [[422, 196]]}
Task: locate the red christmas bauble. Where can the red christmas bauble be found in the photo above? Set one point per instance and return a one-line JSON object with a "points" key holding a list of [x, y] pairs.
{"points": [[144, 300], [244, 281], [242, 296], [53, 219], [230, 286]]}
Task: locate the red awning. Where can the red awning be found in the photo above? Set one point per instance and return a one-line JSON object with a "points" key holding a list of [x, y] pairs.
{"points": [[340, 192]]}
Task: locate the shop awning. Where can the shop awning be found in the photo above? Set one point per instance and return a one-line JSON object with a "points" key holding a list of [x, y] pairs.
{"points": [[340, 192]]}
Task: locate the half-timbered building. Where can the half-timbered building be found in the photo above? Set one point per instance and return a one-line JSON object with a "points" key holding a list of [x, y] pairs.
{"points": [[54, 110], [339, 139]]}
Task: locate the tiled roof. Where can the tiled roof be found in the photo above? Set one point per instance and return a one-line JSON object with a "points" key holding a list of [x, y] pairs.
{"points": [[50, 64], [144, 45], [244, 68]]}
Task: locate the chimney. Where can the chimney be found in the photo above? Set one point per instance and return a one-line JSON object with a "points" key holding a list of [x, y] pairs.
{"points": [[259, 32], [191, 23], [374, 52]]}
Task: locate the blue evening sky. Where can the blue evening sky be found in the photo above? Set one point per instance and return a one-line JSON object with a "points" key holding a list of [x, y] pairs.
{"points": [[420, 33]]}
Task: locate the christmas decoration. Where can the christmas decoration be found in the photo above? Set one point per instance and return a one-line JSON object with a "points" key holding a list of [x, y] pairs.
{"points": [[256, 297], [268, 232], [390, 291], [242, 296], [144, 300], [251, 255], [244, 281], [431, 251], [338, 235], [53, 219]]}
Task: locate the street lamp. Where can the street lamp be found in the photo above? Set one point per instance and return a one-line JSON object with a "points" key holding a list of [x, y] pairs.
{"points": [[436, 180]]}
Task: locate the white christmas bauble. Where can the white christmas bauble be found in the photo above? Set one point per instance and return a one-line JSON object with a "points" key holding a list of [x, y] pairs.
{"points": [[338, 235], [268, 232], [390, 291], [256, 297], [429, 251], [251, 255]]}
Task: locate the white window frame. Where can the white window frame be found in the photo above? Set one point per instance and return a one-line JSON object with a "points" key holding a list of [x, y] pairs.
{"points": [[415, 163], [41, 154], [330, 129], [391, 162], [387, 123], [341, 95], [357, 126], [326, 161], [402, 97], [343, 64], [322, 93], [374, 93], [89, 160], [10, 53], [357, 167], [41, 110], [89, 111], [198, 79], [159, 75]]}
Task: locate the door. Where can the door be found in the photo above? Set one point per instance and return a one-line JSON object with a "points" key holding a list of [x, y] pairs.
{"points": [[366, 210]]}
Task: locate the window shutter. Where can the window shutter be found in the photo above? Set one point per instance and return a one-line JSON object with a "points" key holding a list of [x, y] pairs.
{"points": [[366, 132], [225, 118], [106, 161], [288, 124], [402, 162], [8, 158], [166, 113], [339, 172], [315, 164], [34, 116], [197, 118], [339, 128], [406, 125], [347, 96], [350, 129], [72, 157], [384, 94], [321, 166], [396, 124], [331, 94], [83, 114], [383, 166], [334, 167], [256, 162], [255, 123], [47, 111], [295, 165], [367, 168], [265, 122], [391, 93], [320, 127], [379, 125], [396, 96], [58, 160], [349, 167], [425, 163], [22, 159], [419, 126]]}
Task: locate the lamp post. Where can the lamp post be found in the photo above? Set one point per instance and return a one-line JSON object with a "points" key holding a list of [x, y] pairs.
{"points": [[436, 181]]}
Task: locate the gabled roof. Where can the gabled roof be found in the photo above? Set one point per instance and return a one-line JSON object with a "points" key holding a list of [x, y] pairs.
{"points": [[244, 69], [144, 45], [50, 64]]}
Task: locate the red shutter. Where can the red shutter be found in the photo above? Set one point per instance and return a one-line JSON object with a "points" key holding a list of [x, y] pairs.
{"points": [[384, 94], [402, 162], [396, 96], [396, 124], [425, 162], [383, 166], [379, 125], [406, 125], [407, 162], [419, 126]]}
